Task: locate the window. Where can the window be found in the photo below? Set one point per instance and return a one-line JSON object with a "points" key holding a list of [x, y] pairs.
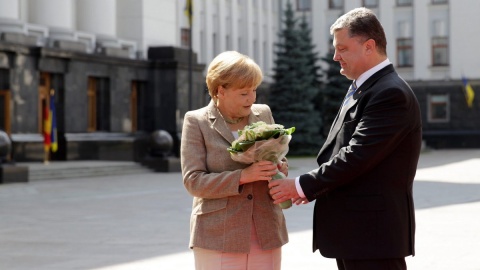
{"points": [[185, 33], [139, 106], [439, 2], [440, 51], [370, 3], [4, 100], [228, 43], [331, 49], [404, 2], [335, 4], [304, 5], [405, 52], [215, 49], [98, 104], [438, 108]]}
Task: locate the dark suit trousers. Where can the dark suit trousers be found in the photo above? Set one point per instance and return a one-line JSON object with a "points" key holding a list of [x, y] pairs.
{"points": [[386, 264]]}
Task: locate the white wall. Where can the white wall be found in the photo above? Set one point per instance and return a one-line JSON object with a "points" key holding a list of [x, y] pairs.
{"points": [[465, 38], [52, 13], [9, 9], [98, 17]]}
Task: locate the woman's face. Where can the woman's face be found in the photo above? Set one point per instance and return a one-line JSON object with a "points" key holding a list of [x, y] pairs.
{"points": [[350, 53], [235, 102]]}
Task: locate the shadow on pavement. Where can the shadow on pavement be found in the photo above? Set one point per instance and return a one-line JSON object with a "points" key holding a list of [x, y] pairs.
{"points": [[429, 194]]}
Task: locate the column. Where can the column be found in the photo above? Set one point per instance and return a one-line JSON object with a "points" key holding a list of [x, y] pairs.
{"points": [[10, 9], [98, 17], [52, 13]]}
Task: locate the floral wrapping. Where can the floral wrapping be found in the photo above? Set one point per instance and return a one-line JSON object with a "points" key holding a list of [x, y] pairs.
{"points": [[261, 141]]}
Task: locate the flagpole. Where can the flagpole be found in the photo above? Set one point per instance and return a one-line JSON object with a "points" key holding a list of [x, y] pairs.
{"points": [[45, 158], [46, 129]]}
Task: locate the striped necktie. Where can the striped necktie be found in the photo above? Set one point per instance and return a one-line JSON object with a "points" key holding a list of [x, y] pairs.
{"points": [[350, 93]]}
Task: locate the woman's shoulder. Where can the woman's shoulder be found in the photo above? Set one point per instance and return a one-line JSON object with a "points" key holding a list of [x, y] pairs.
{"points": [[261, 108], [201, 112]]}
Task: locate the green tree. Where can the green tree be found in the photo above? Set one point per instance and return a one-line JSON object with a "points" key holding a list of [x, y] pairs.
{"points": [[296, 84], [332, 93]]}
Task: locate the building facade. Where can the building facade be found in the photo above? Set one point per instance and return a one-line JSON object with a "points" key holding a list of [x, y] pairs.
{"points": [[432, 44], [121, 69], [111, 85], [116, 70]]}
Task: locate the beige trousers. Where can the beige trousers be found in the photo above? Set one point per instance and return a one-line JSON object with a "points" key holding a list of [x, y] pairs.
{"points": [[257, 259]]}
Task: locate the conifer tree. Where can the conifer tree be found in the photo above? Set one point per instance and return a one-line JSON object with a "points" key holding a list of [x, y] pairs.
{"points": [[296, 85]]}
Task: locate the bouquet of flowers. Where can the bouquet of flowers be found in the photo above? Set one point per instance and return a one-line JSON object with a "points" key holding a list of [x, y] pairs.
{"points": [[262, 141]]}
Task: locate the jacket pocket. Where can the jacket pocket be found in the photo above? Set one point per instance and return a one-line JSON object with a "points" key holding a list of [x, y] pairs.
{"points": [[365, 203], [205, 206]]}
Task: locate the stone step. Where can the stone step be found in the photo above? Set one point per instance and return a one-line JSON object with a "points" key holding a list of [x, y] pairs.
{"points": [[82, 169]]}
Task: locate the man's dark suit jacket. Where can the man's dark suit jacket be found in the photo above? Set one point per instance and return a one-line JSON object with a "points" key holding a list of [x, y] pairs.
{"points": [[363, 186]]}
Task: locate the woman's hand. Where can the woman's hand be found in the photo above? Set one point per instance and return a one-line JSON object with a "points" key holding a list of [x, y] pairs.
{"points": [[283, 167], [258, 171]]}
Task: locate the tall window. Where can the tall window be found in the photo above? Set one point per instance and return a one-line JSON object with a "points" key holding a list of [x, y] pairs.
{"points": [[304, 5], [405, 52], [438, 108], [370, 3], [185, 42], [228, 42], [5, 100], [139, 107], [440, 51], [404, 2], [98, 104], [335, 4], [331, 49], [215, 46]]}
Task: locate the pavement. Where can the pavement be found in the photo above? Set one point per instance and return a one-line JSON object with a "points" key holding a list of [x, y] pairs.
{"points": [[141, 221]]}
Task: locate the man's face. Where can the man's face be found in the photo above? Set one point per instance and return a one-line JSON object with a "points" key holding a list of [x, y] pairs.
{"points": [[350, 52]]}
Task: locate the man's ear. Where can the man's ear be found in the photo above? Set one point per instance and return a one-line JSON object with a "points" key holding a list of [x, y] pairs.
{"points": [[370, 46]]}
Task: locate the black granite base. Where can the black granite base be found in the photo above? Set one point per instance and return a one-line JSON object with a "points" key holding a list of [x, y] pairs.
{"points": [[162, 164], [10, 173]]}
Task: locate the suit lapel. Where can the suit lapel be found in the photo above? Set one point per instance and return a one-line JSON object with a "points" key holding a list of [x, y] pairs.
{"points": [[221, 127], [338, 122], [218, 124]]}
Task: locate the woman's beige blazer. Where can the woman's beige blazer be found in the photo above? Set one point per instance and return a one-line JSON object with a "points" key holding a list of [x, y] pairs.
{"points": [[223, 211]]}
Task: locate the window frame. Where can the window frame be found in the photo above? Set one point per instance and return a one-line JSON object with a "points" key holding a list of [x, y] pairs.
{"points": [[304, 5], [435, 47], [98, 95], [404, 3], [365, 4], [332, 4], [432, 104], [403, 48]]}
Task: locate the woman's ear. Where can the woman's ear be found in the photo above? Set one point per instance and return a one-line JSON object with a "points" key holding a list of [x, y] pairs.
{"points": [[221, 91]]}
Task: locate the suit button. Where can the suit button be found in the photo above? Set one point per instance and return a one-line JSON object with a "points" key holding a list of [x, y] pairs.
{"points": [[250, 196]]}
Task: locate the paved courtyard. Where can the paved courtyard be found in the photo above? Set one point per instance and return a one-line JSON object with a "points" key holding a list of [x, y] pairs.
{"points": [[142, 221]]}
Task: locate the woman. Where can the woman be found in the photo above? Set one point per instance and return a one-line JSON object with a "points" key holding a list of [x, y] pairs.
{"points": [[234, 224]]}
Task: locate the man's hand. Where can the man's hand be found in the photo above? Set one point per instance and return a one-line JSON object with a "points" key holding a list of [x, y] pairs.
{"points": [[282, 190]]}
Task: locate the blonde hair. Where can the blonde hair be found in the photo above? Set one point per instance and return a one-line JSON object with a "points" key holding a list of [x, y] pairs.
{"points": [[232, 69]]}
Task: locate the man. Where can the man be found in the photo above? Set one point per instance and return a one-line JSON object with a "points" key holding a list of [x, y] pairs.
{"points": [[364, 214]]}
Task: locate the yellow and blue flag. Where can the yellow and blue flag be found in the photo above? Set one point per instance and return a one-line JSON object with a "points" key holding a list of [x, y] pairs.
{"points": [[469, 93], [53, 123], [188, 10]]}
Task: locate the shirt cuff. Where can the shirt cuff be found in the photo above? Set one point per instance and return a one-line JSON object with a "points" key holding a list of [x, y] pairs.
{"points": [[299, 188]]}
